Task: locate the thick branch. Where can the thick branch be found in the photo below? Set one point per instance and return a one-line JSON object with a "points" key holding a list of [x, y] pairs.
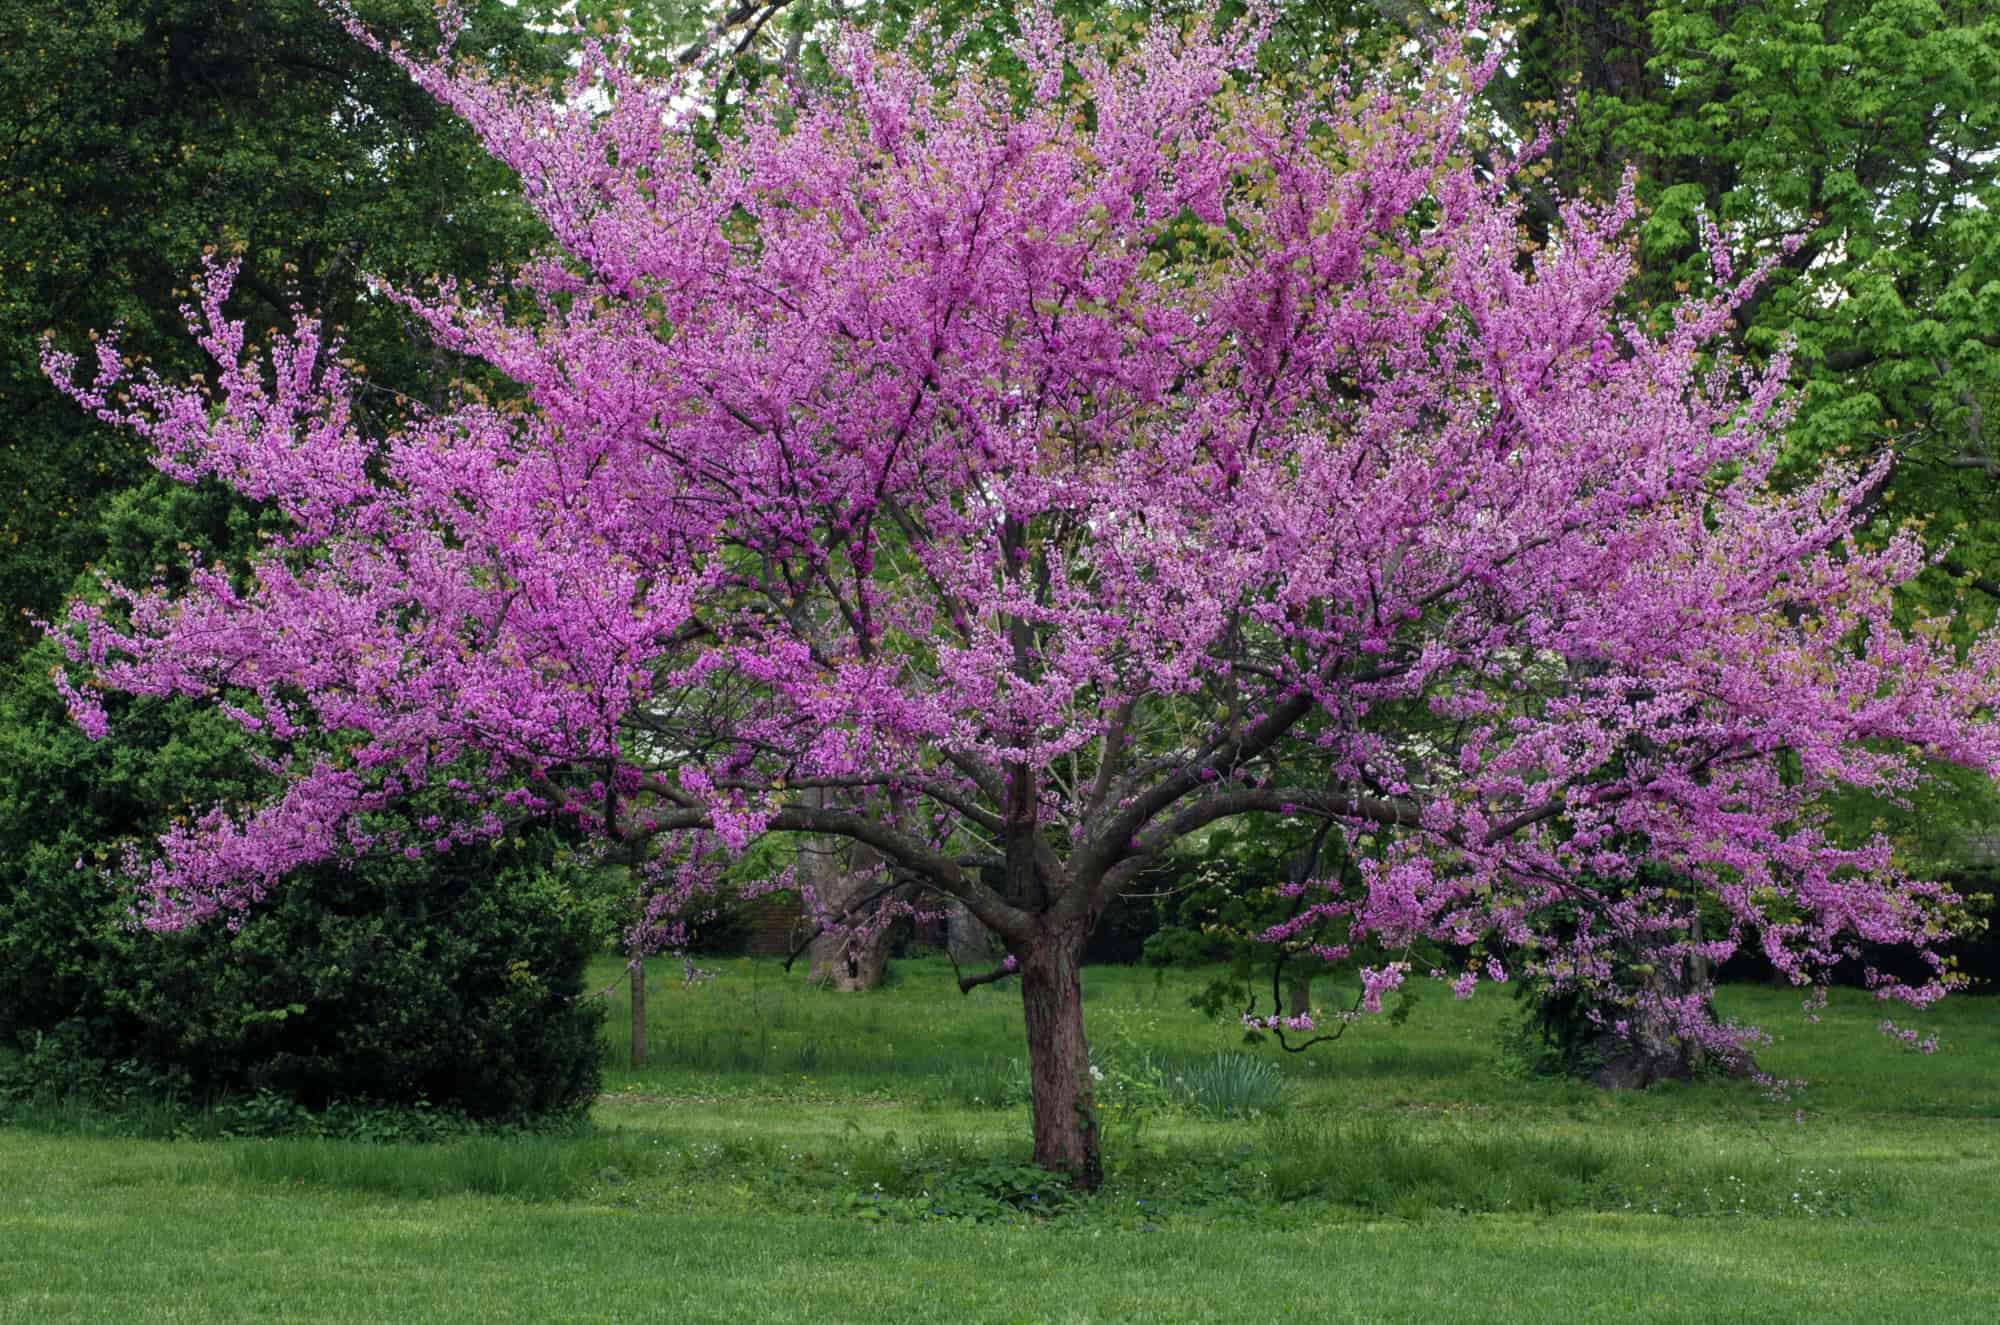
{"points": [[942, 872], [968, 983], [1114, 840], [1110, 751], [949, 797], [1345, 806]]}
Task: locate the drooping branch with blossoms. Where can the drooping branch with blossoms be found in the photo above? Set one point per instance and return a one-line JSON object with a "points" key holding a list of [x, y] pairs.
{"points": [[1019, 485]]}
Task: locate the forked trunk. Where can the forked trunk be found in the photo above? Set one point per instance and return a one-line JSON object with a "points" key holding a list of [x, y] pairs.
{"points": [[1061, 1092], [1653, 1048]]}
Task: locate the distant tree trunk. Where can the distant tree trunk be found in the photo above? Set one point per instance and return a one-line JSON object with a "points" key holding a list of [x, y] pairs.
{"points": [[638, 1011], [1303, 867], [966, 937], [1061, 1093], [1652, 1049], [842, 877], [638, 974], [1698, 964]]}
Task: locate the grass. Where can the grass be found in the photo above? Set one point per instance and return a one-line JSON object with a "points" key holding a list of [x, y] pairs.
{"points": [[791, 1154]]}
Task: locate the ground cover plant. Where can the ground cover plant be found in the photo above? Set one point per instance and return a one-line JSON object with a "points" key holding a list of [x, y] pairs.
{"points": [[834, 1166]]}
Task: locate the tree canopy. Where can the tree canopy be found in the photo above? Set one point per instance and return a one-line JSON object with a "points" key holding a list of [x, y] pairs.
{"points": [[141, 133], [1018, 485]]}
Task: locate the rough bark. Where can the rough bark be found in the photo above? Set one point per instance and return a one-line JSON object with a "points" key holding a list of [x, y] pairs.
{"points": [[1061, 1094], [1648, 1056], [842, 876]]}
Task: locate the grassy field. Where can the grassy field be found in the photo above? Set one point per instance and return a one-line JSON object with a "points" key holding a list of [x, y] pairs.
{"points": [[793, 1155]]}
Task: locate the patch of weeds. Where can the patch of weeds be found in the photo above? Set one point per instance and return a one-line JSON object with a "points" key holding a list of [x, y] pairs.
{"points": [[1231, 1085], [1386, 1166], [994, 1083], [1762, 1190], [59, 1084], [1290, 1172], [809, 1057], [58, 1088], [520, 1166], [996, 1190]]}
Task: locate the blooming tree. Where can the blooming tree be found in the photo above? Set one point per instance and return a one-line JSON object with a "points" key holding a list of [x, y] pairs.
{"points": [[1015, 486]]}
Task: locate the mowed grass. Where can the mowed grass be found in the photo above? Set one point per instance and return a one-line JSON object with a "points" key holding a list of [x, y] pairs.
{"points": [[791, 1154]]}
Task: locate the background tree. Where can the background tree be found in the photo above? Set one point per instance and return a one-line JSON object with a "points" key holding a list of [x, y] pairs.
{"points": [[1863, 127], [141, 134], [1220, 894], [1860, 129], [1024, 485]]}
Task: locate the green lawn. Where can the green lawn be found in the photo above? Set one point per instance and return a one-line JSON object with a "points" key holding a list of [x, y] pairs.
{"points": [[794, 1155]]}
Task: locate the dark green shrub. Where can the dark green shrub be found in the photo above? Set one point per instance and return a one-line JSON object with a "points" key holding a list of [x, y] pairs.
{"points": [[455, 978], [1123, 931], [449, 980]]}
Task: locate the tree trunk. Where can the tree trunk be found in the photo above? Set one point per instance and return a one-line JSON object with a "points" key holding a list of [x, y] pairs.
{"points": [[966, 936], [1062, 1098], [848, 963], [638, 1011], [1698, 966], [1653, 1050], [638, 984], [1301, 995], [1646, 1055], [841, 958]]}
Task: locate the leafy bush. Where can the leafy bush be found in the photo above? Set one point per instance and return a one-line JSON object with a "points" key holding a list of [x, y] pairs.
{"points": [[439, 980], [453, 978], [397, 983]]}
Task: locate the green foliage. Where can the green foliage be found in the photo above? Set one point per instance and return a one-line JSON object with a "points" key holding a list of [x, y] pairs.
{"points": [[1551, 1035], [59, 1088], [399, 983], [1221, 895], [1232, 1085], [450, 978], [1945, 832], [456, 981], [259, 130], [1864, 129]]}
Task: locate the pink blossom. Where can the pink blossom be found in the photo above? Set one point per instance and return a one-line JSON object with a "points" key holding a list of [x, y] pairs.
{"points": [[1375, 982]]}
